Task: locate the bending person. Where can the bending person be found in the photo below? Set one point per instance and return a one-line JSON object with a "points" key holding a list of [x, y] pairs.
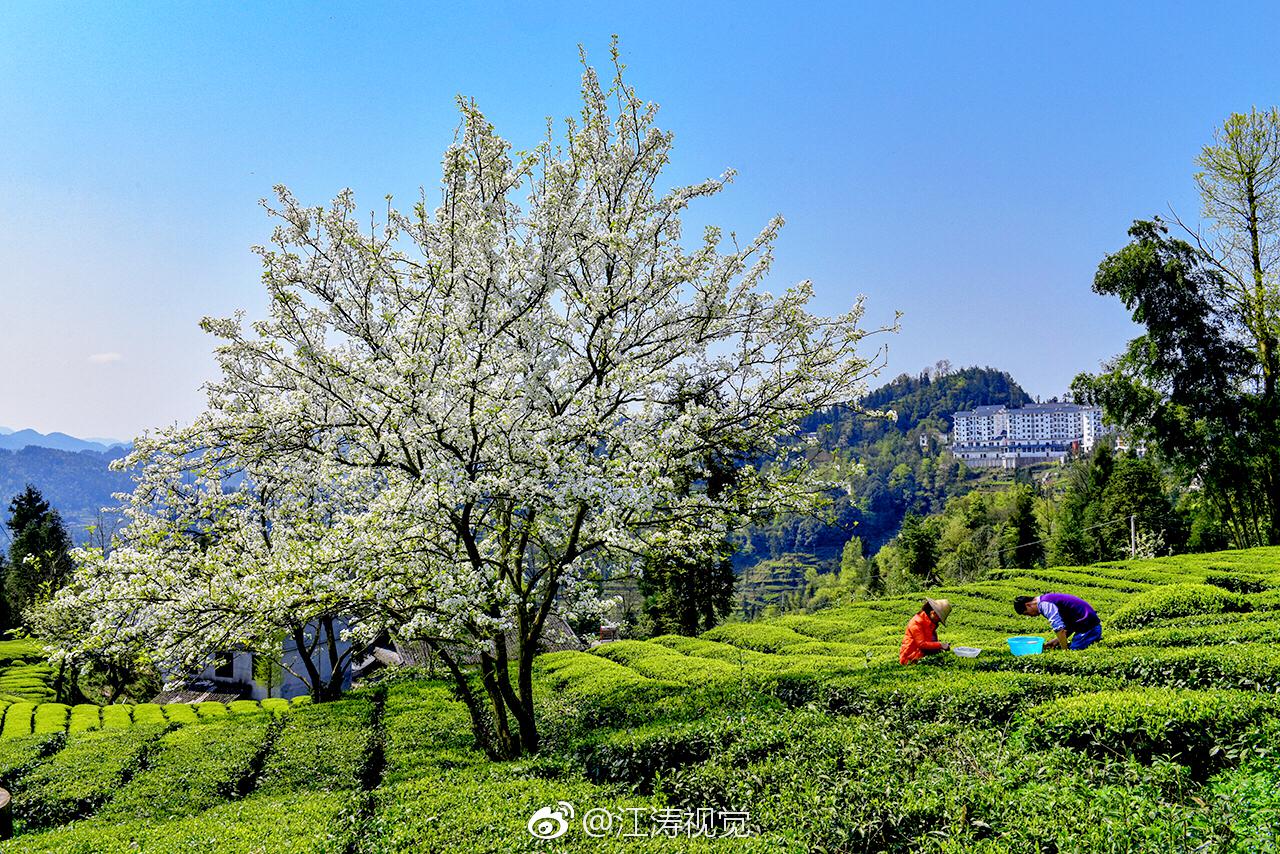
{"points": [[1067, 615], [921, 638]]}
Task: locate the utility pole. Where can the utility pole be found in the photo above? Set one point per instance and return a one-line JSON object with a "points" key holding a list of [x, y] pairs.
{"points": [[1133, 536]]}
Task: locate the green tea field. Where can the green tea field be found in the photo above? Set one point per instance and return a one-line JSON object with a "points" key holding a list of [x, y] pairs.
{"points": [[797, 734]]}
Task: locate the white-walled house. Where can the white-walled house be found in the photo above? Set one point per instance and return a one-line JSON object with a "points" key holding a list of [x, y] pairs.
{"points": [[231, 674]]}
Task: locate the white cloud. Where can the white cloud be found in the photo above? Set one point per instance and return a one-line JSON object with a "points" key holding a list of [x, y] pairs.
{"points": [[105, 358]]}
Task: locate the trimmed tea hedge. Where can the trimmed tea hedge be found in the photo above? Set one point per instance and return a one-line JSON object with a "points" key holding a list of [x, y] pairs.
{"points": [[1251, 667], [1193, 727], [426, 730], [636, 756], [84, 717], [51, 717], [930, 693], [1172, 601], [1238, 582], [291, 824], [762, 637], [17, 720], [81, 776], [194, 768], [117, 717], [324, 747], [660, 662], [19, 755]]}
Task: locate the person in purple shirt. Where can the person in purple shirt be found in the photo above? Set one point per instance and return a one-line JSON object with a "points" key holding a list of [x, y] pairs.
{"points": [[1067, 615]]}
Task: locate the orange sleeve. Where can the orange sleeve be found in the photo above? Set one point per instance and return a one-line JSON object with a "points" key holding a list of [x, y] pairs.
{"points": [[926, 636]]}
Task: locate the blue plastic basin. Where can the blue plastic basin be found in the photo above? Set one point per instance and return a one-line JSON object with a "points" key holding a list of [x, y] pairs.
{"points": [[1027, 645]]}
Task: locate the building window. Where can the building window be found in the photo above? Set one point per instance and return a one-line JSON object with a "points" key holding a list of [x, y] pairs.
{"points": [[224, 666]]}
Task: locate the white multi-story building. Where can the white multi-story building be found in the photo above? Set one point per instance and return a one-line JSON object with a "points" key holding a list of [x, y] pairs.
{"points": [[1004, 437]]}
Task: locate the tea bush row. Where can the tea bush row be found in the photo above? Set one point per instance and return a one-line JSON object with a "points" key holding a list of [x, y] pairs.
{"points": [[1173, 601], [426, 730], [323, 747], [316, 822], [1252, 667], [1194, 727], [660, 662], [927, 693], [75, 780], [194, 768], [25, 718]]}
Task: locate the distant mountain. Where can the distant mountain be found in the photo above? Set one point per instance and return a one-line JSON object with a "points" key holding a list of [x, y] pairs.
{"points": [[4, 431], [78, 484], [16, 440]]}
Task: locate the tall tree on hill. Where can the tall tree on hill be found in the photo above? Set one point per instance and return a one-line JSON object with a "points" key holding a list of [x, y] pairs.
{"points": [[1189, 386], [39, 553]]}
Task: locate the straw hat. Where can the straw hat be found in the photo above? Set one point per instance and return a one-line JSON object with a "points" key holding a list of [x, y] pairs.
{"points": [[941, 607]]}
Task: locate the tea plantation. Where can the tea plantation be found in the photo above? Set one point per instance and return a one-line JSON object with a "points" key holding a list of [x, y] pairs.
{"points": [[803, 732]]}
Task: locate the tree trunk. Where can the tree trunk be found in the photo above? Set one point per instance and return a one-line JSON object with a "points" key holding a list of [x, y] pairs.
{"points": [[314, 682], [507, 744], [480, 726], [521, 705]]}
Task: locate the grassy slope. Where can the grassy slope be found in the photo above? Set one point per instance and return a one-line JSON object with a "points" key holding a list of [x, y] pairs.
{"points": [[1165, 734]]}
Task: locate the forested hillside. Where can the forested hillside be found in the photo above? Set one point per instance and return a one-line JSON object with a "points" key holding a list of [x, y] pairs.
{"points": [[890, 466], [77, 484]]}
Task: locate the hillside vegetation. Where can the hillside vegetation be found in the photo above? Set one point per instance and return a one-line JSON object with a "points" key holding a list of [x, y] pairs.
{"points": [[1163, 737]]}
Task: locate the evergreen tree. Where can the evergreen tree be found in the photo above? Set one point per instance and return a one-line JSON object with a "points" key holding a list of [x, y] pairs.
{"points": [[39, 552]]}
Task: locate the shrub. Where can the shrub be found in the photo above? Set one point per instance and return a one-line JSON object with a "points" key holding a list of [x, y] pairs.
{"points": [[608, 690], [84, 717], [487, 809], [1175, 600], [19, 651], [1193, 727], [1251, 667], [275, 705], [1268, 600], [322, 747], [1245, 805], [180, 713], [119, 717], [81, 776], [1238, 582], [310, 822], [933, 693], [17, 720], [19, 755], [660, 662], [244, 707], [1254, 630], [50, 717], [211, 710], [27, 681], [703, 648], [637, 756], [426, 730], [762, 637], [194, 768], [149, 714]]}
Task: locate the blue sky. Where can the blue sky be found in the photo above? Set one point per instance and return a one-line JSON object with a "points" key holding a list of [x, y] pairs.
{"points": [[967, 164]]}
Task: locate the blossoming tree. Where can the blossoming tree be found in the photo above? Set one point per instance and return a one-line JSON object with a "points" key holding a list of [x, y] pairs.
{"points": [[453, 417]]}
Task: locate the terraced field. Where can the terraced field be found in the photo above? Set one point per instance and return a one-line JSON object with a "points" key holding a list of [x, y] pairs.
{"points": [[802, 732]]}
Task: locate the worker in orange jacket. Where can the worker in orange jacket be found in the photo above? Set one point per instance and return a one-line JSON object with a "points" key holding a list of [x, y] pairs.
{"points": [[921, 638]]}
